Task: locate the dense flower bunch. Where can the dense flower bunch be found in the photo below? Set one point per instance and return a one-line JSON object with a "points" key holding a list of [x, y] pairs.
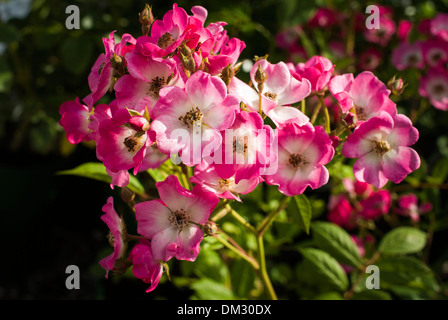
{"points": [[423, 46], [177, 99], [428, 53]]}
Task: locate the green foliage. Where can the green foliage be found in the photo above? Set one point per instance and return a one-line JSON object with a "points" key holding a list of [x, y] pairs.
{"points": [[300, 210], [336, 241], [97, 171], [403, 240]]}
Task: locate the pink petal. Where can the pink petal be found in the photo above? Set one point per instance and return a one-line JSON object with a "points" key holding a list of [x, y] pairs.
{"points": [[398, 163], [152, 217]]}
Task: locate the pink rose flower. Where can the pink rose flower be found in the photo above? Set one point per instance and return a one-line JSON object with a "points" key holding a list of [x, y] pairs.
{"points": [[381, 145], [302, 153], [435, 52], [200, 110], [173, 222], [408, 55], [439, 26], [341, 212], [115, 236], [318, 70], [434, 86], [407, 205], [376, 205], [247, 148], [365, 93], [144, 266], [281, 90], [384, 34], [108, 66], [119, 146], [75, 121]]}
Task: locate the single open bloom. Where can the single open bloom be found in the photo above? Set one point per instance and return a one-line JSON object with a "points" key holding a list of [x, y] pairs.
{"points": [[408, 55], [366, 95], [434, 86], [302, 153], [381, 145], [120, 146], [173, 222], [139, 90], [247, 148], [318, 70], [281, 90], [108, 66], [187, 120]]}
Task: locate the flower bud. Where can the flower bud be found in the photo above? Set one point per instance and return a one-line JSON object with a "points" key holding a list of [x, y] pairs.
{"points": [[396, 86], [210, 228], [139, 123], [146, 19], [261, 75], [227, 74]]}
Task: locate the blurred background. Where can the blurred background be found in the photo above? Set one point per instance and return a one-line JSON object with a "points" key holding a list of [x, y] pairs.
{"points": [[49, 221]]}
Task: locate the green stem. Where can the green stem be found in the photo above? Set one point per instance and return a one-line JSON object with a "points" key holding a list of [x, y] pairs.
{"points": [[315, 113], [326, 115], [302, 106], [264, 273], [237, 250], [185, 172], [240, 219], [264, 225]]}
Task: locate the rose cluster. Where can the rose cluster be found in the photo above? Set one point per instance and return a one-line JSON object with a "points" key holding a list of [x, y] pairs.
{"points": [[428, 53], [423, 46], [177, 98]]}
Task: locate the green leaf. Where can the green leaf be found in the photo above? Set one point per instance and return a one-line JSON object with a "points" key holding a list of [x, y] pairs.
{"points": [[403, 240], [300, 210], [243, 278], [325, 268], [401, 272], [97, 171], [207, 289], [337, 242], [440, 171]]}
